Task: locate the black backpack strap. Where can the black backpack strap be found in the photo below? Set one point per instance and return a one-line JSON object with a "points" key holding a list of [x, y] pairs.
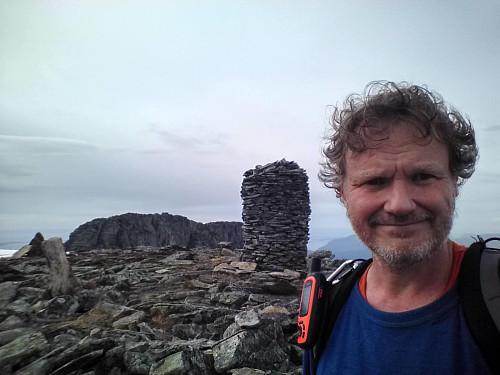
{"points": [[490, 279], [337, 295], [479, 320]]}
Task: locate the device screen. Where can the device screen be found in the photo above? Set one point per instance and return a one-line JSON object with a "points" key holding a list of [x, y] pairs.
{"points": [[306, 293]]}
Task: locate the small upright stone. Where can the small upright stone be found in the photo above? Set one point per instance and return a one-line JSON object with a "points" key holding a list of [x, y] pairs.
{"points": [[62, 280], [36, 246]]}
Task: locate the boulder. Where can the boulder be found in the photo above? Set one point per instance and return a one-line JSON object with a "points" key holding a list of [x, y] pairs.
{"points": [[36, 245], [33, 249], [21, 252], [21, 348], [261, 348], [8, 292], [187, 362]]}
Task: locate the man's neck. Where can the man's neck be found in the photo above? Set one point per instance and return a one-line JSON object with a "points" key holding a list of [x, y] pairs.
{"points": [[415, 287]]}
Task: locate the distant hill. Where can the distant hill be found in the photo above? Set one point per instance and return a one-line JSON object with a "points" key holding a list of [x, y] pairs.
{"points": [[352, 248], [347, 248], [135, 230]]}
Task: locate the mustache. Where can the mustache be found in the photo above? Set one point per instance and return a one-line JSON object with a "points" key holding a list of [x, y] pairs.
{"points": [[388, 219]]}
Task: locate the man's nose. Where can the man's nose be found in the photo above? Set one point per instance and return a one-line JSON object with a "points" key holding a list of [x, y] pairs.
{"points": [[400, 199]]}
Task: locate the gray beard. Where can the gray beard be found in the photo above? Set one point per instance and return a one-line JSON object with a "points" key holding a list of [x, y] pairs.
{"points": [[397, 260]]}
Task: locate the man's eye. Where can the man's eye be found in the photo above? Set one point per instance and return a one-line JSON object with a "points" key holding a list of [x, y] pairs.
{"points": [[422, 177], [376, 182]]}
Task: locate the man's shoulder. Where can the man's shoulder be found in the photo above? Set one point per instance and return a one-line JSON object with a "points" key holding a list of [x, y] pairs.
{"points": [[459, 248]]}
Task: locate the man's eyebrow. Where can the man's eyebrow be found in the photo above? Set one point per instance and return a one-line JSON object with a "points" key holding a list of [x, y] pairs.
{"points": [[428, 168], [368, 175]]}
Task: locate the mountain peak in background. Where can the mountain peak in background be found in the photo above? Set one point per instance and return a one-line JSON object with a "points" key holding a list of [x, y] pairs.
{"points": [[349, 247], [132, 230]]}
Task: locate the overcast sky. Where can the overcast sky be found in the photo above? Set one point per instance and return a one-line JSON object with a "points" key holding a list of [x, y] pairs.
{"points": [[108, 107]]}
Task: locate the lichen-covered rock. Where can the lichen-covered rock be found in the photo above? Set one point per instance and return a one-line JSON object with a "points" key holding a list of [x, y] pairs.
{"points": [[8, 292], [186, 362], [260, 348], [21, 349], [137, 362]]}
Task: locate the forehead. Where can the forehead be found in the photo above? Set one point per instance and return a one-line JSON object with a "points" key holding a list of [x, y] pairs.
{"points": [[402, 144]]}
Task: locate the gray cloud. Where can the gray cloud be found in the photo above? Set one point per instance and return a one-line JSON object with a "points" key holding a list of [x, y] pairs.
{"points": [[30, 144], [203, 142], [494, 128]]}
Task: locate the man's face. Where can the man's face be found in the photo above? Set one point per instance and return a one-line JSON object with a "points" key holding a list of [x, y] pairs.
{"points": [[400, 197]]}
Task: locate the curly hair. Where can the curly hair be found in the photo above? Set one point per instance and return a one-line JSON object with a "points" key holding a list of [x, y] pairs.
{"points": [[364, 119]]}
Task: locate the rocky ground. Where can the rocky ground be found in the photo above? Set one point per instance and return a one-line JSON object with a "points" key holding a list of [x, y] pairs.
{"points": [[150, 311]]}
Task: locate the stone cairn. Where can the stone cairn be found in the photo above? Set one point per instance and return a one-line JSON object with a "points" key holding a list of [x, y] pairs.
{"points": [[276, 214]]}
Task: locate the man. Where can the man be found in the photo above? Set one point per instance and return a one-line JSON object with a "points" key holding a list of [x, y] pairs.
{"points": [[396, 158]]}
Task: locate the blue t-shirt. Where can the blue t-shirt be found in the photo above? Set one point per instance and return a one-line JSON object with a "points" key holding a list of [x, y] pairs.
{"points": [[433, 339]]}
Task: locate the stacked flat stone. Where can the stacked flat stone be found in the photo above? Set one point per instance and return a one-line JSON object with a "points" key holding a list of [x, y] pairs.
{"points": [[276, 212]]}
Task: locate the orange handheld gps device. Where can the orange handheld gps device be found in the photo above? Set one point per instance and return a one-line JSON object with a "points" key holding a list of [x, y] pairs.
{"points": [[311, 306], [312, 302]]}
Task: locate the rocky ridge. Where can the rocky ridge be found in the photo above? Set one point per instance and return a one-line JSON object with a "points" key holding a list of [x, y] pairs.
{"points": [[168, 310], [131, 230]]}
